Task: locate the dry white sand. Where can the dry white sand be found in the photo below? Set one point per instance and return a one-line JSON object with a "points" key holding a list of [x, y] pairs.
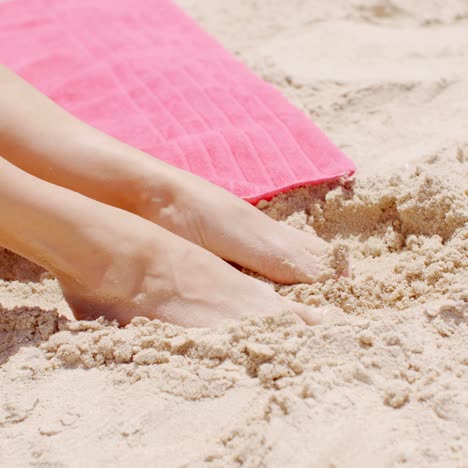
{"points": [[384, 385]]}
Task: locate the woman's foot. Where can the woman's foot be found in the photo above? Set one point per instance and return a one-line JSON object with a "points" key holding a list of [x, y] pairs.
{"points": [[148, 271], [158, 275], [236, 231]]}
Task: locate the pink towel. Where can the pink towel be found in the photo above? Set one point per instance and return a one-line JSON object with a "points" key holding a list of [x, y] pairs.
{"points": [[144, 72]]}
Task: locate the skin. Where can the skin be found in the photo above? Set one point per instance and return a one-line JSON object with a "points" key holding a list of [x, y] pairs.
{"points": [[129, 235]]}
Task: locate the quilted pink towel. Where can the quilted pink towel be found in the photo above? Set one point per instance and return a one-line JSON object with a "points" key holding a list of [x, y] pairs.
{"points": [[144, 72]]}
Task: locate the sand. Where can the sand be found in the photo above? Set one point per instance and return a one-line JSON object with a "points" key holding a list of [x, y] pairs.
{"points": [[382, 385]]}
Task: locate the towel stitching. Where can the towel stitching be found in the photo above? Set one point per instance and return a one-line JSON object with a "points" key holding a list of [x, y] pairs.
{"points": [[148, 37], [286, 128], [139, 108], [223, 138], [263, 129], [256, 125], [174, 119], [247, 136], [299, 148], [113, 75], [206, 153], [71, 35]]}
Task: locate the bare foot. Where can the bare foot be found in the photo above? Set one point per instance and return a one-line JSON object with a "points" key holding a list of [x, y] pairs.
{"points": [[148, 271], [236, 231]]}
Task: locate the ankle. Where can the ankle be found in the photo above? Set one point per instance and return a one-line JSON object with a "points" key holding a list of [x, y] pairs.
{"points": [[154, 190]]}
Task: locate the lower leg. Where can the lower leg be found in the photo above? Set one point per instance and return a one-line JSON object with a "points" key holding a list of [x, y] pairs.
{"points": [[113, 263]]}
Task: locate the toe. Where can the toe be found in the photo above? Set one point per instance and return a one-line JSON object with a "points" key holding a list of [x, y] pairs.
{"points": [[310, 315]]}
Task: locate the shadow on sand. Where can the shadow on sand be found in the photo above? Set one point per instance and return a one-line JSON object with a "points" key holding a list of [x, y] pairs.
{"points": [[24, 326], [16, 268]]}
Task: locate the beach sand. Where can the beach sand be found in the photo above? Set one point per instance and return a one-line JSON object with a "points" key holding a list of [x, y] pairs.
{"points": [[385, 383]]}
